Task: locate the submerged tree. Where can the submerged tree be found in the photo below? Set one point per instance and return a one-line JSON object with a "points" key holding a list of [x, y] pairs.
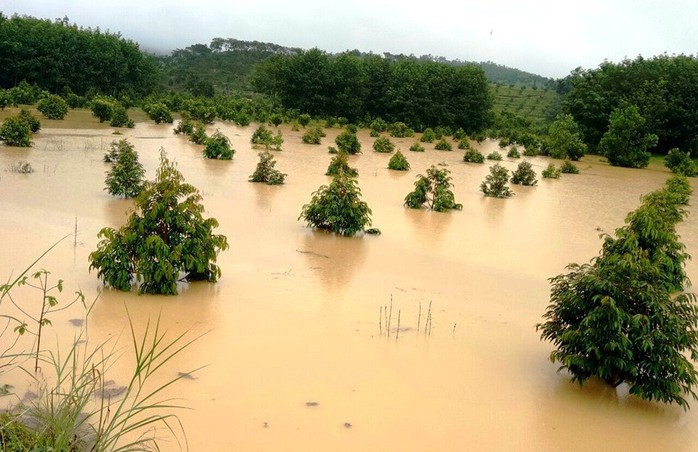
{"points": [[53, 107], [625, 143], [165, 240], [218, 147], [265, 171], [680, 163], [338, 207], [347, 142], [496, 183], [125, 178], [524, 174], [398, 162], [433, 191], [624, 318], [340, 164], [564, 139], [15, 132]]}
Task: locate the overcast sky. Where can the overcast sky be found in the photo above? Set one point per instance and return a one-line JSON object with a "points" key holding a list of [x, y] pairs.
{"points": [[546, 37]]}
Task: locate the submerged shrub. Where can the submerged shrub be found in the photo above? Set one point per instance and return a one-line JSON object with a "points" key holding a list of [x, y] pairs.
{"points": [[304, 119], [473, 156], [264, 137], [340, 164], [416, 147], [443, 145], [513, 153], [568, 167], [374, 134], [433, 191], [400, 130], [218, 147], [494, 155], [496, 183], [21, 167], [53, 107], [158, 112], [15, 132], [428, 136], [102, 108], [31, 120], [125, 178], [119, 118], [265, 171], [199, 136], [464, 143], [378, 125], [185, 126], [530, 151], [398, 162], [165, 240], [550, 172], [680, 163], [347, 142], [313, 135], [524, 174], [338, 207], [384, 145]]}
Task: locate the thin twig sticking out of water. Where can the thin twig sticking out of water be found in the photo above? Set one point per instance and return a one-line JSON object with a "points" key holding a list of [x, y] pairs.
{"points": [[427, 323], [380, 320], [390, 316], [75, 236], [419, 316], [454, 329], [397, 332]]}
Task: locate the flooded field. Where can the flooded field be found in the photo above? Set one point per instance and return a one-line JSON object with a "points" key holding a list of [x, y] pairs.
{"points": [[293, 352]]}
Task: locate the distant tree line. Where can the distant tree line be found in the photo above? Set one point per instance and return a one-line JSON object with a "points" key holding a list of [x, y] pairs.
{"points": [[59, 57], [662, 88], [421, 94]]}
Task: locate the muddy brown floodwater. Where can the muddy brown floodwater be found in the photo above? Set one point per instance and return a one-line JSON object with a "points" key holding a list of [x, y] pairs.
{"points": [[293, 355]]}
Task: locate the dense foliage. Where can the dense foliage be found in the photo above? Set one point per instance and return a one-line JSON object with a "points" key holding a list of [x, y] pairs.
{"points": [[313, 135], [218, 147], [384, 145], [53, 107], [564, 139], [625, 143], [662, 88], [524, 174], [265, 171], [680, 163], [551, 172], [60, 57], [338, 207], [473, 156], [340, 164], [165, 240], [496, 183], [348, 142], [624, 318], [15, 131], [420, 93], [433, 191], [125, 178], [398, 162]]}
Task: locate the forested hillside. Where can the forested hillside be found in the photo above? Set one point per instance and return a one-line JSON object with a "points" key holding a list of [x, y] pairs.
{"points": [[57, 56]]}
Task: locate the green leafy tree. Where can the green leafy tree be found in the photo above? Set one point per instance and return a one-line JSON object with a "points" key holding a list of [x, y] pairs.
{"points": [[313, 135], [496, 183], [378, 125], [624, 318], [29, 119], [304, 119], [265, 171], [568, 167], [125, 178], [494, 155], [443, 145], [276, 119], [428, 136], [119, 117], [524, 174], [158, 112], [680, 163], [564, 139], [340, 164], [551, 172], [398, 162], [464, 143], [218, 147], [400, 130], [262, 136], [416, 147], [514, 153], [185, 127], [338, 207], [102, 108], [53, 107], [347, 142], [433, 191], [165, 240], [473, 156], [384, 145], [625, 143], [199, 136], [15, 132]]}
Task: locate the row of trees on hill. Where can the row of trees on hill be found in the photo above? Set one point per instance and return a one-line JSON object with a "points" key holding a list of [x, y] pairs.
{"points": [[421, 94], [661, 89], [60, 57]]}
